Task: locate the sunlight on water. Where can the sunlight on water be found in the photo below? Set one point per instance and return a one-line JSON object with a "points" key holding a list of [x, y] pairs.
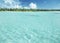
{"points": [[29, 27]]}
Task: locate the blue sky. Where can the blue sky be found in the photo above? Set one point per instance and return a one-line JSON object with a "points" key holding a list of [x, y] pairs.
{"points": [[44, 4]]}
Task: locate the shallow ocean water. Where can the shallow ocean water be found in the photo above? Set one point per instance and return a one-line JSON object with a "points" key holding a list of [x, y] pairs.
{"points": [[29, 27]]}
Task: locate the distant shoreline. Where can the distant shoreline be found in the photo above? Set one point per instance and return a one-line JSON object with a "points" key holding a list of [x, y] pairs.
{"points": [[27, 10]]}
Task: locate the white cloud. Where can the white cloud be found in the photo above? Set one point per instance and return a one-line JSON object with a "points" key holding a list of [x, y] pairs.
{"points": [[8, 1], [12, 4], [32, 5], [16, 4]]}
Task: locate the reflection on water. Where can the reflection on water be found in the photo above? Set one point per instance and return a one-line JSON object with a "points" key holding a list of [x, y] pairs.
{"points": [[27, 27]]}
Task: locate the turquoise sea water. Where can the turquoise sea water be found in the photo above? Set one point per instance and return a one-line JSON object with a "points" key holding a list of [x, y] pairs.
{"points": [[29, 27]]}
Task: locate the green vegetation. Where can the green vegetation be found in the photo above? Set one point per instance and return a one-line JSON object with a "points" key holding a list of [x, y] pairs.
{"points": [[17, 9]]}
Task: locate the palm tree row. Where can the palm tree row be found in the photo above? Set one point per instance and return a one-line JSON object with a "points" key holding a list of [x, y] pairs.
{"points": [[18, 9]]}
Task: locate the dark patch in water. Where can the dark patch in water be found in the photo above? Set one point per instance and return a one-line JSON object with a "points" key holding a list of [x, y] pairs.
{"points": [[56, 13], [34, 15]]}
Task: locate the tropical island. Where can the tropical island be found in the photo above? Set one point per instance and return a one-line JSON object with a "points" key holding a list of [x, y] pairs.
{"points": [[18, 9]]}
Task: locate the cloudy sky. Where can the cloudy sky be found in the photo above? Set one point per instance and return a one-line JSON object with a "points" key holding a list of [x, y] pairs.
{"points": [[44, 4]]}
